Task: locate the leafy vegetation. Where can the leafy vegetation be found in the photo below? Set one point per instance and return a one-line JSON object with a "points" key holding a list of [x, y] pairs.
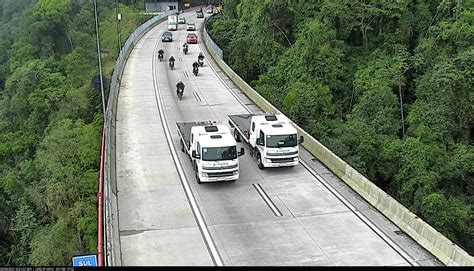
{"points": [[50, 125], [386, 85]]}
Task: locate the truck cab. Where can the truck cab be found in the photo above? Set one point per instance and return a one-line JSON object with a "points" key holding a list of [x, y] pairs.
{"points": [[274, 141], [172, 22], [213, 152]]}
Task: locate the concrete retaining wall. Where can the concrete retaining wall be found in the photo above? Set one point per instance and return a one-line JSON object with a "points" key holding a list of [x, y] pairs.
{"points": [[436, 243]]}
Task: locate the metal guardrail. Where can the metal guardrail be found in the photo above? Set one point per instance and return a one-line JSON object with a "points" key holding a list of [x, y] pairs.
{"points": [[428, 237], [111, 243]]}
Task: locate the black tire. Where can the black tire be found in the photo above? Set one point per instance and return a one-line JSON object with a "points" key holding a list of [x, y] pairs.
{"points": [[260, 164], [197, 178], [237, 136]]}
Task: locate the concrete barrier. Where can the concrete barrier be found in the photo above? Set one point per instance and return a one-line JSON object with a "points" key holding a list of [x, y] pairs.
{"points": [[428, 237]]}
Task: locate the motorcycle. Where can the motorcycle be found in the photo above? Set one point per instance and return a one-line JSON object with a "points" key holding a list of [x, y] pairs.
{"points": [[180, 94], [200, 62], [160, 57], [195, 71], [171, 64]]}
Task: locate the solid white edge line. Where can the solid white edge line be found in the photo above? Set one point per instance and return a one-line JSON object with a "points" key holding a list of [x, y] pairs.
{"points": [[361, 216], [202, 225]]}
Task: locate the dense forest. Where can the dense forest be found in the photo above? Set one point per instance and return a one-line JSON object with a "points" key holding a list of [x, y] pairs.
{"points": [[386, 85], [50, 125]]}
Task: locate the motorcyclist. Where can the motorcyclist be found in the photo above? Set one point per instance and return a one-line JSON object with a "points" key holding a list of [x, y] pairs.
{"points": [[160, 53], [185, 45], [179, 86], [195, 66], [171, 60], [200, 59]]}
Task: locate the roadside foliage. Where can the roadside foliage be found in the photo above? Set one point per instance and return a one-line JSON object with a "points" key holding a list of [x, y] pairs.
{"points": [[51, 125], [386, 85]]}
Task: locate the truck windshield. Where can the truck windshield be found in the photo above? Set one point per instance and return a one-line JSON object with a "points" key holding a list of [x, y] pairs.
{"points": [[219, 153], [280, 141]]}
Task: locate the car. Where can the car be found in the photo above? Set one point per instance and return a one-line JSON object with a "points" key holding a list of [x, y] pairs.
{"points": [[191, 27], [209, 9], [167, 36], [199, 9], [200, 14], [181, 20], [192, 38]]}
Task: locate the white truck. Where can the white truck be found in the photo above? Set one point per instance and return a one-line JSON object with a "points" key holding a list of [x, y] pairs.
{"points": [[173, 22], [212, 149], [271, 138]]}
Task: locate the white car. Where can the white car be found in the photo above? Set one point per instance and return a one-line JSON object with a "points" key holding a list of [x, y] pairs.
{"points": [[181, 20], [209, 10], [191, 27]]}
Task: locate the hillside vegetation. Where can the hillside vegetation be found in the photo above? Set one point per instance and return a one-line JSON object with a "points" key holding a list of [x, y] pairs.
{"points": [[386, 85], [50, 126]]}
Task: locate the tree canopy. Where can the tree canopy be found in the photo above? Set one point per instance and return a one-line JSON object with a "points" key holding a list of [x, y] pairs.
{"points": [[50, 126], [386, 85]]}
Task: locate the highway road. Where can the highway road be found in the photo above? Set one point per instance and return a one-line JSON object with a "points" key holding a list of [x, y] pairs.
{"points": [[284, 216]]}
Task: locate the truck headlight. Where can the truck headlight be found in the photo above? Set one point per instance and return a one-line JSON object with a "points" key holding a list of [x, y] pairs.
{"points": [[268, 160], [295, 159], [235, 172], [204, 174]]}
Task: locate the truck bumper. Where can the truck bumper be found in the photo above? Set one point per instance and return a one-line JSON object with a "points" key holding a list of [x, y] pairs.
{"points": [[219, 179], [281, 164]]}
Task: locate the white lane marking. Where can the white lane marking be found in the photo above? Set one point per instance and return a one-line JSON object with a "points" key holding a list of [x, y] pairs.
{"points": [[267, 200], [361, 216], [184, 181]]}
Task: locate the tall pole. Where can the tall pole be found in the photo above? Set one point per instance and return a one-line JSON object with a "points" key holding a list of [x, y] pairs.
{"points": [[119, 18], [99, 57]]}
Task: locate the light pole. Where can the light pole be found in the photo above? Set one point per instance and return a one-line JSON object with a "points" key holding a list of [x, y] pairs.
{"points": [[99, 57], [119, 31]]}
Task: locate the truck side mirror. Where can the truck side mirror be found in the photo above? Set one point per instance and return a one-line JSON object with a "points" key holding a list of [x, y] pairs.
{"points": [[258, 141], [195, 155], [301, 139], [242, 152]]}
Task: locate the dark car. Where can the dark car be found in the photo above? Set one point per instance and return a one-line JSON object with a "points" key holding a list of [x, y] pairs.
{"points": [[192, 38], [167, 36]]}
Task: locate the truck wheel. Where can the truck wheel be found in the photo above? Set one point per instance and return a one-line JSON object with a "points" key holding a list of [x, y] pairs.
{"points": [[237, 136], [251, 151], [197, 178], [260, 164]]}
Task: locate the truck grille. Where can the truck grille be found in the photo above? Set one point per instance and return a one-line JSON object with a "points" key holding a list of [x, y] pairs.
{"points": [[282, 154], [219, 174], [282, 160], [220, 168]]}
